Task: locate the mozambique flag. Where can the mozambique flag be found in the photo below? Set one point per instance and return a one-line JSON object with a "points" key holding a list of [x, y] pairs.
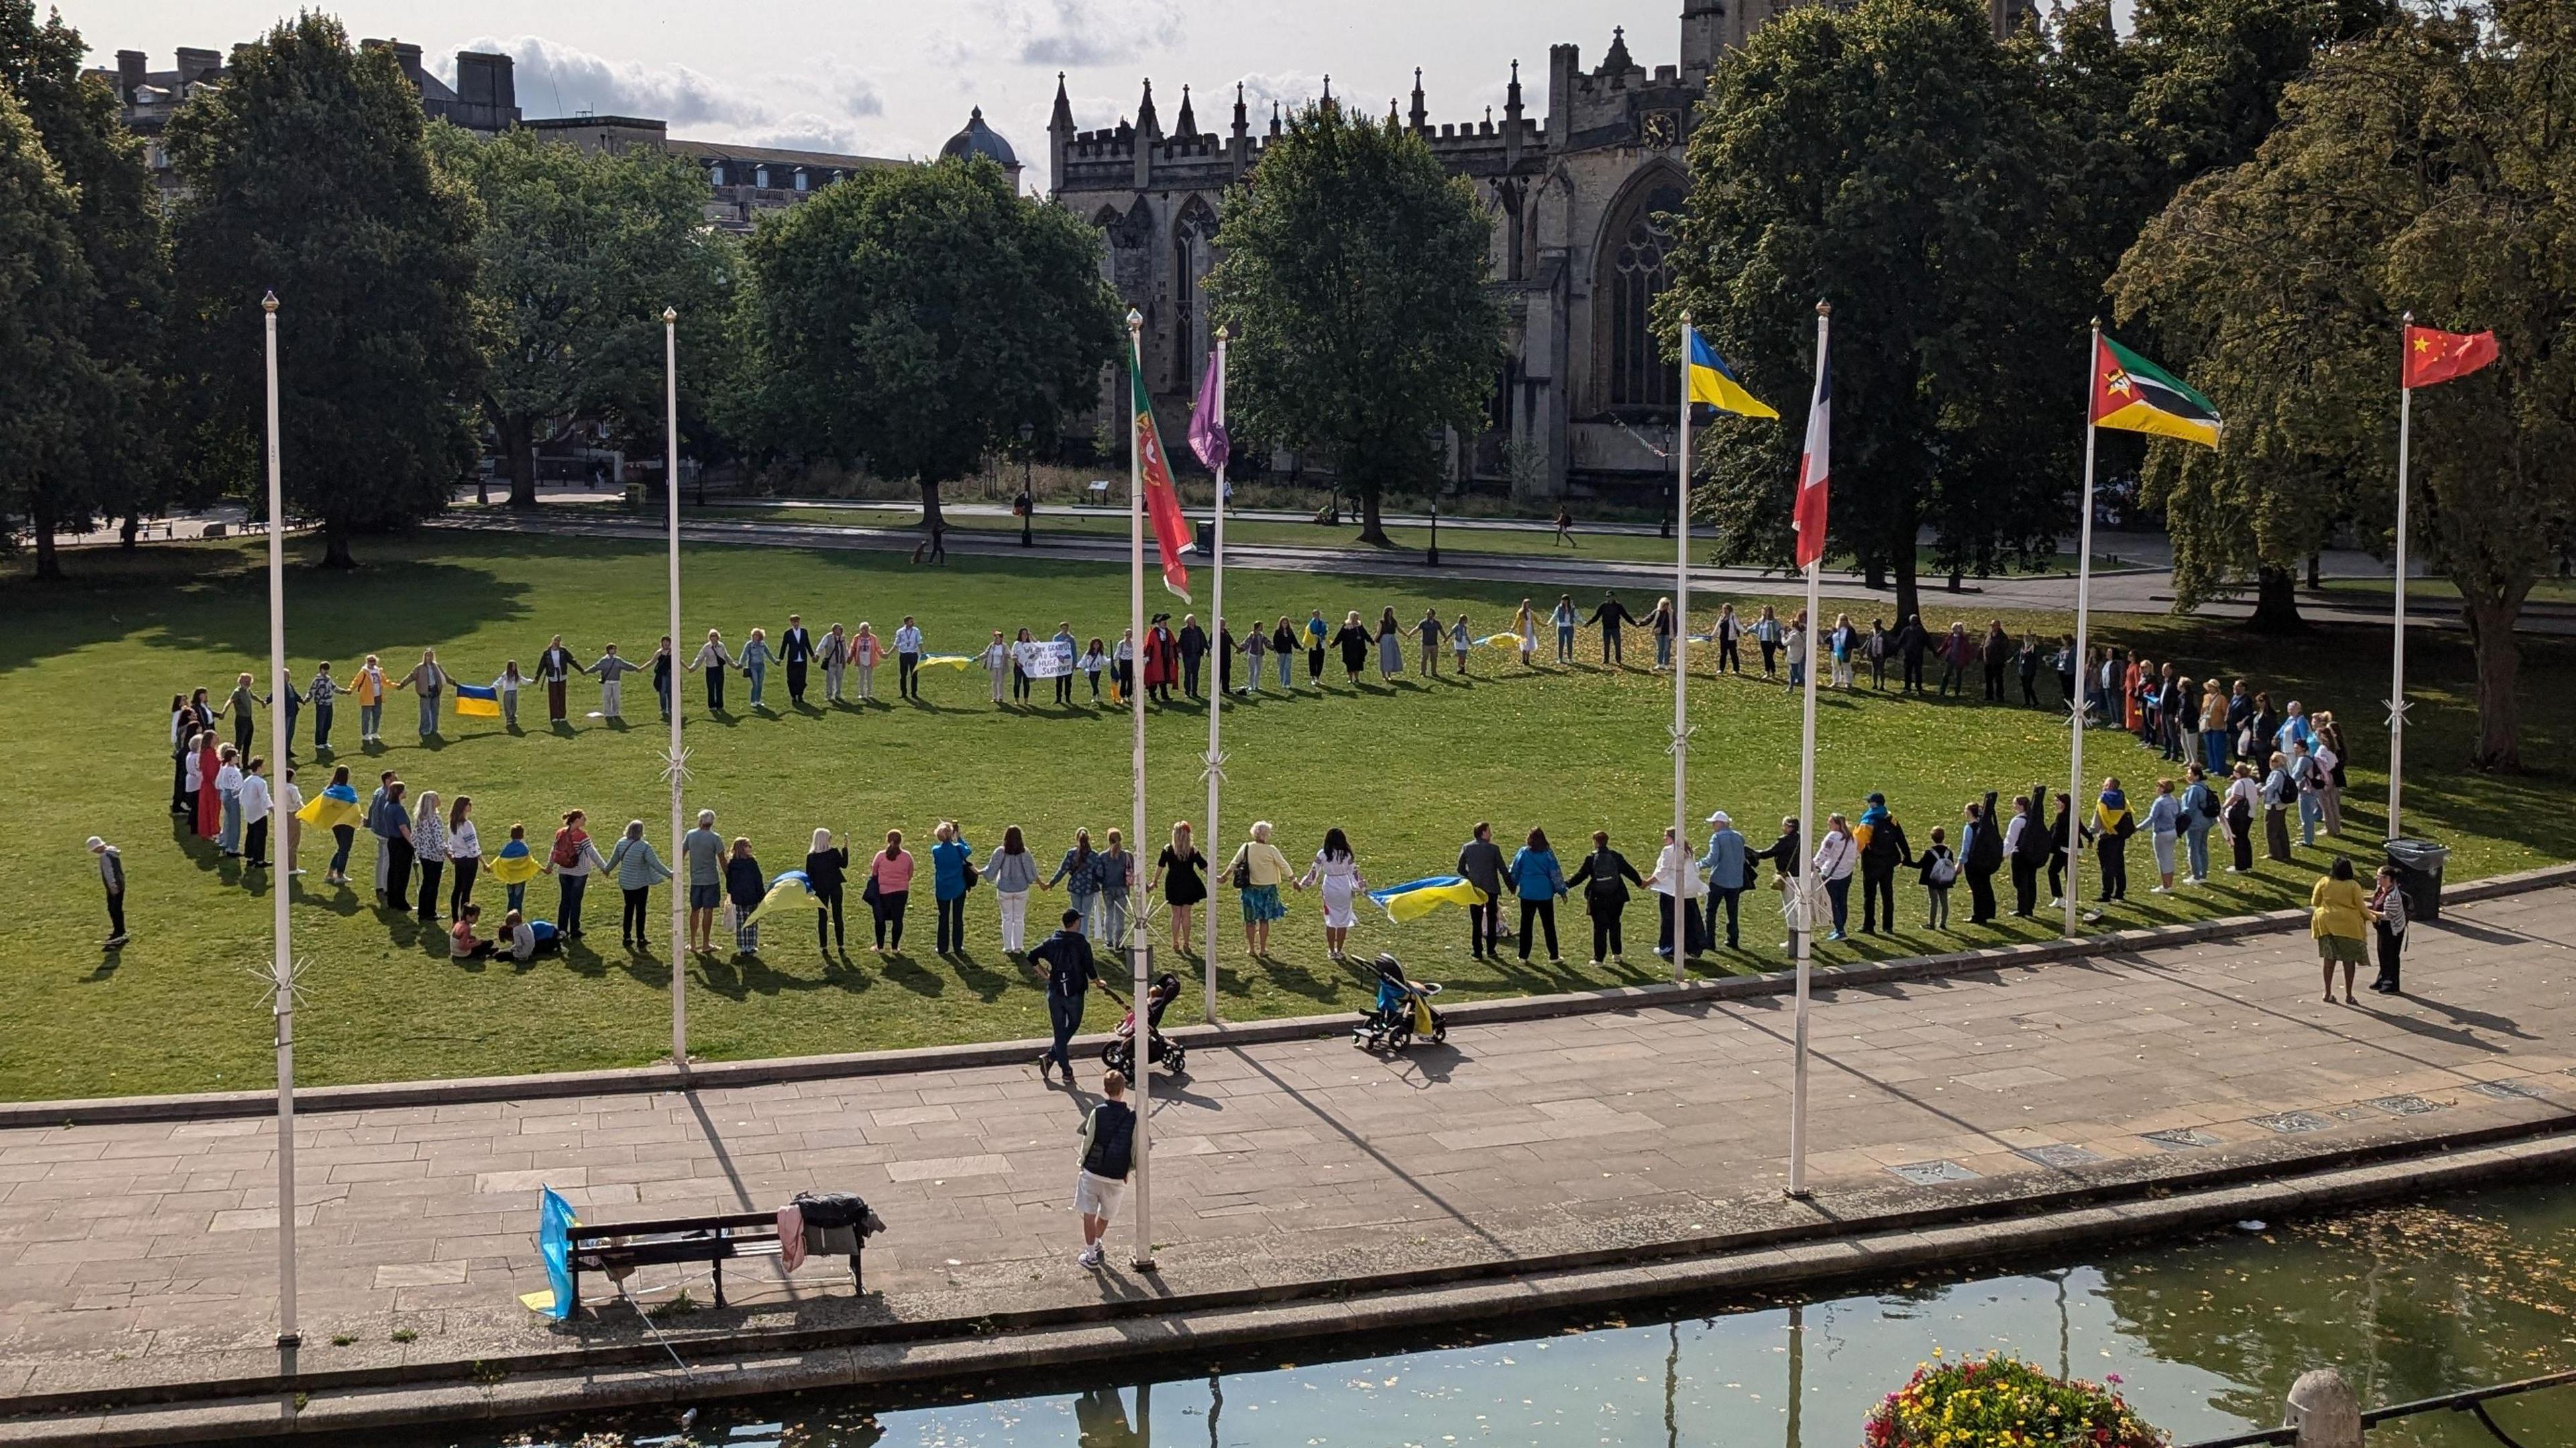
{"points": [[1713, 382], [2132, 394], [1416, 898], [2440, 356], [515, 865], [1172, 535], [477, 701], [335, 806]]}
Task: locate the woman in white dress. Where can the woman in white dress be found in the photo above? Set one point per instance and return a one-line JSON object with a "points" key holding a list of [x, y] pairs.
{"points": [[1339, 873]]}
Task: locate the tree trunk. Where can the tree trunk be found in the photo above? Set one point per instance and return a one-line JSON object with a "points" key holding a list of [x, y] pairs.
{"points": [[49, 564], [522, 449], [2316, 579], [131, 529], [1954, 581], [1372, 532], [1874, 574], [335, 545], [931, 518], [2276, 602], [1909, 599], [2499, 656]]}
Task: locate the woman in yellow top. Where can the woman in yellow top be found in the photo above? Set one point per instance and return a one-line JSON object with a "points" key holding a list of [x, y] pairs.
{"points": [[2339, 916], [368, 686], [1258, 870]]}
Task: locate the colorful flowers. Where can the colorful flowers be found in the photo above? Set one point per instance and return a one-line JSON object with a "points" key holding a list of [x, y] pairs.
{"points": [[2001, 1402]]}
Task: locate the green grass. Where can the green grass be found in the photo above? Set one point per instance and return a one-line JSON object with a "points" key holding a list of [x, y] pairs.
{"points": [[91, 663], [2441, 590]]}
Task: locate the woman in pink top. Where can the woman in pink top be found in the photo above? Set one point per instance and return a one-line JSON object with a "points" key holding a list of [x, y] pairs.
{"points": [[866, 651], [889, 883]]}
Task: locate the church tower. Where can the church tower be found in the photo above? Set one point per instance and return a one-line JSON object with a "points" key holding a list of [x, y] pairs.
{"points": [[1703, 35]]}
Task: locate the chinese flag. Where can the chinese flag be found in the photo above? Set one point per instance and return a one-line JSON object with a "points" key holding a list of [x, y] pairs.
{"points": [[2440, 356]]}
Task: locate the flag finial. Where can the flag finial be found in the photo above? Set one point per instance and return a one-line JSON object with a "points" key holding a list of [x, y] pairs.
{"points": [[670, 314], [1135, 320], [268, 303], [1224, 333], [1824, 309]]}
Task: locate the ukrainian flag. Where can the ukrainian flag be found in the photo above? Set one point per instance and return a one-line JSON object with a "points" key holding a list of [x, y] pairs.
{"points": [[786, 887], [335, 806], [477, 701], [515, 865], [1713, 382], [1414, 899], [948, 661]]}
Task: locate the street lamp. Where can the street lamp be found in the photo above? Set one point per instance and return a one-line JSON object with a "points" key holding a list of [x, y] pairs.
{"points": [[1028, 499], [1433, 559]]}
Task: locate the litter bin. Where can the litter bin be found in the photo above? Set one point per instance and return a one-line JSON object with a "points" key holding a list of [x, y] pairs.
{"points": [[1206, 539], [2419, 873]]}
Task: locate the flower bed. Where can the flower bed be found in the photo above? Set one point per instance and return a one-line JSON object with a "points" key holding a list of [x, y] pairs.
{"points": [[2000, 1402]]}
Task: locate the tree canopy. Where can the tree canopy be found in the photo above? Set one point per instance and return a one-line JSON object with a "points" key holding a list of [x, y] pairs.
{"points": [[917, 316], [307, 173], [1354, 281]]}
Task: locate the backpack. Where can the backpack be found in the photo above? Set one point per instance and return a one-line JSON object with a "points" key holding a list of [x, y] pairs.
{"points": [[1113, 1141], [1944, 870], [566, 853]]}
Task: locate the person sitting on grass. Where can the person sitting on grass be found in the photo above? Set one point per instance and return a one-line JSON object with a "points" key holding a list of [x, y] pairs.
{"points": [[461, 941], [527, 939]]}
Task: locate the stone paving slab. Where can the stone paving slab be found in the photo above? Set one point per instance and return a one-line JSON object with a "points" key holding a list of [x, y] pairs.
{"points": [[145, 1252]]}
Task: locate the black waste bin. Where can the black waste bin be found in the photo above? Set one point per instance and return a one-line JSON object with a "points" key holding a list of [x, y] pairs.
{"points": [[1206, 539], [2419, 873]]}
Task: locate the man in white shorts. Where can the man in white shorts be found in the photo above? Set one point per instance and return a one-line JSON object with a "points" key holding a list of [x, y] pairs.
{"points": [[1100, 1182]]}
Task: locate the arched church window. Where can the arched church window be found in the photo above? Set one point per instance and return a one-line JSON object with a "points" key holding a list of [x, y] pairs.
{"points": [[1635, 269]]}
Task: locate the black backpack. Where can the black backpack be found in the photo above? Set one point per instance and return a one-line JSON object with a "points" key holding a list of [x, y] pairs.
{"points": [[1113, 1141]]}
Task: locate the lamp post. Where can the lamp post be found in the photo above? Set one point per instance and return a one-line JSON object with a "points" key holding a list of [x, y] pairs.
{"points": [[1433, 557], [282, 963], [671, 496], [1028, 498]]}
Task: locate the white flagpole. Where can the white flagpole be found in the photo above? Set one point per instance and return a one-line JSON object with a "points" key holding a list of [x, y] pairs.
{"points": [[1216, 699], [1681, 672], [2083, 655], [1808, 890], [282, 965], [671, 494], [1139, 943], [2397, 644]]}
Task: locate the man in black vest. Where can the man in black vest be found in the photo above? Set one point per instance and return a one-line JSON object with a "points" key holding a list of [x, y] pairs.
{"points": [[1108, 1154], [796, 650]]}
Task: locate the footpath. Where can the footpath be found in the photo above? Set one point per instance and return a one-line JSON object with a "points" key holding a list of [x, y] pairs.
{"points": [[1959, 1111]]}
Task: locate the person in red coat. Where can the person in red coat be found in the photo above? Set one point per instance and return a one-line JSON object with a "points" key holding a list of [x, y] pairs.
{"points": [[1162, 659], [210, 801]]}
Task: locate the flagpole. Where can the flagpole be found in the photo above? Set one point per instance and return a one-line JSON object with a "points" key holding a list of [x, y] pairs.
{"points": [[671, 495], [1138, 947], [2397, 643], [1216, 697], [1681, 672], [2083, 656], [1803, 936], [282, 962]]}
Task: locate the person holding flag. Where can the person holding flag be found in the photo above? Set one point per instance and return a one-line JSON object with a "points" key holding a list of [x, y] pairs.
{"points": [[336, 809]]}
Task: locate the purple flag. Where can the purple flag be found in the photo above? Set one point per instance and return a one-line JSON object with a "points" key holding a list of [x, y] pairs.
{"points": [[1207, 416]]}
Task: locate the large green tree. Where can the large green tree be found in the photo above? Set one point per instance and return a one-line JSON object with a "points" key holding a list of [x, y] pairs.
{"points": [[2425, 169], [915, 317], [103, 461], [581, 251], [1354, 280], [44, 289], [1893, 160], [307, 174]]}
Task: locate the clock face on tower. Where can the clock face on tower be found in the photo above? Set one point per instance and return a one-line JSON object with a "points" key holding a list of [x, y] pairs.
{"points": [[1661, 128]]}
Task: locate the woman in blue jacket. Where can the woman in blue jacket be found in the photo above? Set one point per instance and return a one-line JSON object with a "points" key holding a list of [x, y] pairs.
{"points": [[1539, 882], [950, 858]]}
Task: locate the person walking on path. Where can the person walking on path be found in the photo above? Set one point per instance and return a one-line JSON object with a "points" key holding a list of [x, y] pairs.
{"points": [[464, 854], [952, 874], [555, 669], [638, 870], [1337, 871], [1836, 856], [111, 879], [702, 854], [888, 891], [2164, 834], [832, 651], [572, 861], [1258, 870], [1883, 850], [1192, 643], [1611, 615], [1938, 869], [1981, 853], [866, 652], [429, 681], [2340, 917], [1011, 872], [1565, 619], [2388, 908], [1075, 872], [1730, 871], [369, 687], [796, 652], [1070, 970], [1113, 872], [1564, 527], [2112, 825], [827, 866], [1676, 887], [757, 656], [1100, 1183], [612, 671], [1390, 646], [907, 659], [745, 885], [1480, 863], [712, 660], [1605, 875], [1180, 871]]}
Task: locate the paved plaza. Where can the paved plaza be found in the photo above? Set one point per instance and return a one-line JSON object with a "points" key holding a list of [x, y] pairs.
{"points": [[147, 1251]]}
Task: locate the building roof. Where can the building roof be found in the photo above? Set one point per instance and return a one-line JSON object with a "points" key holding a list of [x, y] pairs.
{"points": [[979, 139], [825, 160]]}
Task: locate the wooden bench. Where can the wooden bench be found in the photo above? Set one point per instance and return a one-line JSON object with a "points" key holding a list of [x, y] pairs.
{"points": [[717, 1239]]}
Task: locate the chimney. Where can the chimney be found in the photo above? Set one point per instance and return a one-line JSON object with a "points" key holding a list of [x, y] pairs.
{"points": [[1703, 32], [1564, 63], [486, 91], [129, 74], [196, 65]]}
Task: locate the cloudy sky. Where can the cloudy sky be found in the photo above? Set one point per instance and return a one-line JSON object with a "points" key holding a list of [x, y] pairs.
{"points": [[882, 78]]}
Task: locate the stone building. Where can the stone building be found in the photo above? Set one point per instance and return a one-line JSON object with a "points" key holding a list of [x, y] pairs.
{"points": [[1576, 179]]}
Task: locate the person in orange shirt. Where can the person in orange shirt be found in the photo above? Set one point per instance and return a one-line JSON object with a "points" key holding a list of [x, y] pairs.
{"points": [[368, 685], [2129, 714]]}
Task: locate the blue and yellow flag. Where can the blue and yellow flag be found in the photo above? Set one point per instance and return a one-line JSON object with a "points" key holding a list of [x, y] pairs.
{"points": [[788, 886], [515, 865], [335, 806], [1713, 382], [477, 701], [1414, 899]]}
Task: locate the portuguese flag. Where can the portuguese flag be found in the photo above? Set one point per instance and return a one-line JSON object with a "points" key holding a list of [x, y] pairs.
{"points": [[1162, 501], [2132, 394]]}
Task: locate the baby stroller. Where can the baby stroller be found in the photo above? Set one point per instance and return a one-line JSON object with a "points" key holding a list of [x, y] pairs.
{"points": [[1120, 1054], [1403, 1011]]}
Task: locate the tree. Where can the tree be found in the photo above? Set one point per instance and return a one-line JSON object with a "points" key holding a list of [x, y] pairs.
{"points": [[105, 459], [916, 316], [1354, 281], [307, 174], [581, 250], [2422, 169], [44, 289], [1893, 159]]}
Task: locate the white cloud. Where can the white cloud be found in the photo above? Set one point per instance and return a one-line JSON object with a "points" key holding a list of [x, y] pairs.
{"points": [[1290, 88], [554, 79], [1091, 32]]}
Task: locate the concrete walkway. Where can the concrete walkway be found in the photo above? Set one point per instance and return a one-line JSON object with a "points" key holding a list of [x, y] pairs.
{"points": [[147, 1252]]}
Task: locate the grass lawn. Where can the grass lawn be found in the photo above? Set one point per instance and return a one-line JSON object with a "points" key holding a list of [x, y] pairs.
{"points": [[2441, 590], [92, 662]]}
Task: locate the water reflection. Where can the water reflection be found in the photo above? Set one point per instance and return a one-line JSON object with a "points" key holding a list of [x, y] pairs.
{"points": [[2207, 1335]]}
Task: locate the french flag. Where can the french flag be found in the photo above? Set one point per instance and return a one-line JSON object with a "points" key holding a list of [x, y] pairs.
{"points": [[1815, 466]]}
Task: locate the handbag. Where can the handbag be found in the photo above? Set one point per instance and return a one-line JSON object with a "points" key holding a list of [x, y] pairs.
{"points": [[868, 893], [973, 876], [1242, 874]]}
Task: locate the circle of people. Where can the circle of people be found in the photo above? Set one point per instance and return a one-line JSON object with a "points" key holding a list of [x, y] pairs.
{"points": [[2242, 758]]}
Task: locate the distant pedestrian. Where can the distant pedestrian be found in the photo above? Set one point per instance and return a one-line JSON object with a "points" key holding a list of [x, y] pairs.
{"points": [[1564, 527], [111, 879], [1100, 1183]]}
